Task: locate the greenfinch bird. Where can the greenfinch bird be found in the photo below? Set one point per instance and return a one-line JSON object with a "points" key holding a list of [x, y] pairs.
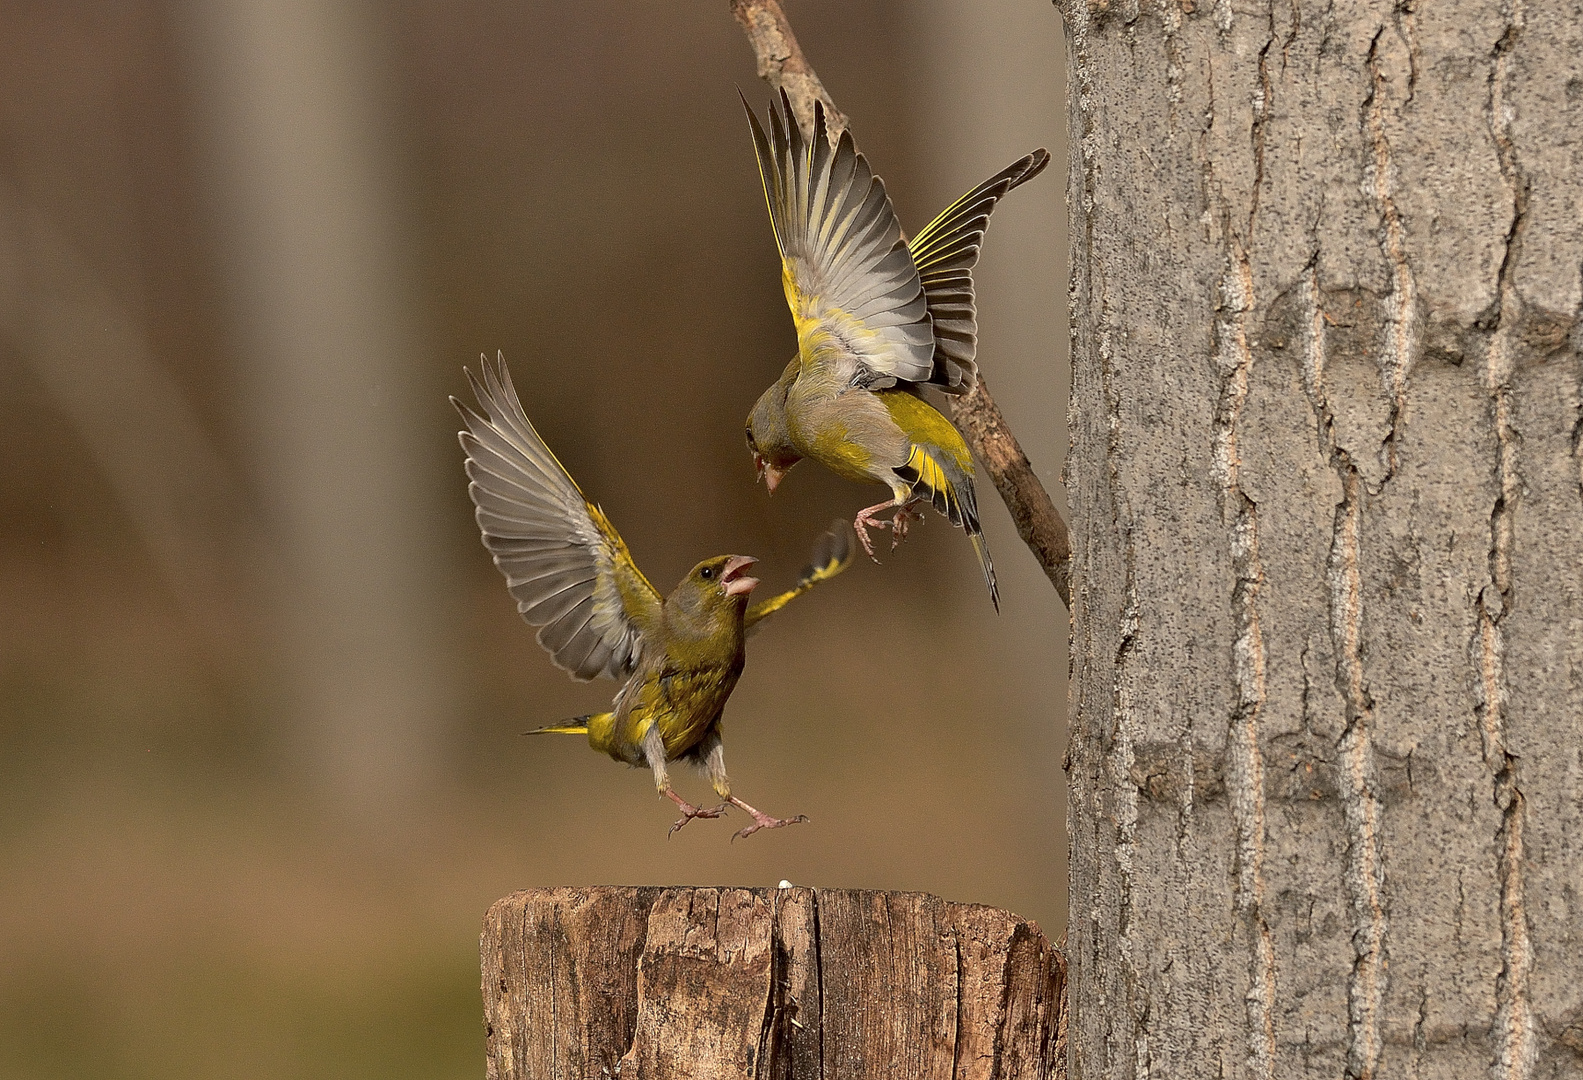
{"points": [[877, 320], [678, 656]]}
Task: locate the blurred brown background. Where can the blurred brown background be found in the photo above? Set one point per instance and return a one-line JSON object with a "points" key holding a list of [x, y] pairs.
{"points": [[260, 687]]}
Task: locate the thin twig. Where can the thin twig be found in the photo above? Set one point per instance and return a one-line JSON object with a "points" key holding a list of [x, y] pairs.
{"points": [[781, 64]]}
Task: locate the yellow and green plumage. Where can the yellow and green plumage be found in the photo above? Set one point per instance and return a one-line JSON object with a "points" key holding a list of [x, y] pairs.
{"points": [[679, 657], [697, 681], [877, 319]]}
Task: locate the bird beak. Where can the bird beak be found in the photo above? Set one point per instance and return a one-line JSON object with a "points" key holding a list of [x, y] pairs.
{"points": [[772, 477], [731, 582], [758, 466]]}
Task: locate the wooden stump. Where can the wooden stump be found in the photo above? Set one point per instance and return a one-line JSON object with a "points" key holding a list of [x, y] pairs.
{"points": [[774, 984]]}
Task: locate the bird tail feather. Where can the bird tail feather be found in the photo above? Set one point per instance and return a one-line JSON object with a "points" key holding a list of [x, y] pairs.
{"points": [[981, 548], [943, 483], [577, 725]]}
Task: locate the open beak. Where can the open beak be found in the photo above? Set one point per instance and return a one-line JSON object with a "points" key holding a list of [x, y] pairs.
{"points": [[731, 578], [767, 472]]}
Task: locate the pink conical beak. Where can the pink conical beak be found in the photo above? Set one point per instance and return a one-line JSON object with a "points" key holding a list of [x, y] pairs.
{"points": [[772, 477], [730, 579]]}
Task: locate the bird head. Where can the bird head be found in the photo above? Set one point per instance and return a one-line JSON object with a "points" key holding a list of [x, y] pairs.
{"points": [[720, 581], [768, 439], [710, 601]]}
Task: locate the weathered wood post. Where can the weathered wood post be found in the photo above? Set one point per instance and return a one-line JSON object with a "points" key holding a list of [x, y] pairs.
{"points": [[773, 984]]}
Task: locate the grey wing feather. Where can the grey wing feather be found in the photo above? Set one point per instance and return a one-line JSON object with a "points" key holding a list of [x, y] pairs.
{"points": [[848, 271], [945, 252], [564, 564]]}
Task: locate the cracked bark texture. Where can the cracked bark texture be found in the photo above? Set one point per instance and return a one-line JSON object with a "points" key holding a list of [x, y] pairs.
{"points": [[1326, 483], [775, 984]]}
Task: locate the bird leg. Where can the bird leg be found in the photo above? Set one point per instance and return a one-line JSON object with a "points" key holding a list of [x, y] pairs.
{"points": [[689, 811], [714, 764], [654, 750], [761, 820], [865, 520], [904, 516]]}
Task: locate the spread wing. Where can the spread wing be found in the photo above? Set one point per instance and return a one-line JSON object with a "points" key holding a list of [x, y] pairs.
{"points": [[564, 562], [849, 278], [832, 553], [945, 253]]}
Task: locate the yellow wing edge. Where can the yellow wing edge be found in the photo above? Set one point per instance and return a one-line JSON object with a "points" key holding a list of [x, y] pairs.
{"points": [[833, 552], [639, 599]]}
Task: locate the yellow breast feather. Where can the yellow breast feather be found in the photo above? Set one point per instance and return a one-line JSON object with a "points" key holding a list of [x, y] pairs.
{"points": [[687, 703]]}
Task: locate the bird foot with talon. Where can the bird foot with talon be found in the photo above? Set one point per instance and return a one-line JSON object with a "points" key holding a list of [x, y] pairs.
{"points": [[689, 811], [866, 520], [904, 517], [762, 820]]}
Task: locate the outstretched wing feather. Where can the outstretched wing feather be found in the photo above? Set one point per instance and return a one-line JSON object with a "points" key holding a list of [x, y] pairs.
{"points": [[945, 252], [832, 553], [564, 563], [850, 281]]}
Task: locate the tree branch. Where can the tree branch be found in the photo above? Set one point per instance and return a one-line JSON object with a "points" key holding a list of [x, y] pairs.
{"points": [[781, 64], [1037, 520]]}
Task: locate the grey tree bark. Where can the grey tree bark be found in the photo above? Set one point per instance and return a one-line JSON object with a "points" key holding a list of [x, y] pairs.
{"points": [[1327, 513]]}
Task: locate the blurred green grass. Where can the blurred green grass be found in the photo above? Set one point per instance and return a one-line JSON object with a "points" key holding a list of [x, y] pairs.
{"points": [[413, 1014]]}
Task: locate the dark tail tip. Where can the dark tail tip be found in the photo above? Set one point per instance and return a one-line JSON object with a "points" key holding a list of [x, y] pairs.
{"points": [[981, 548]]}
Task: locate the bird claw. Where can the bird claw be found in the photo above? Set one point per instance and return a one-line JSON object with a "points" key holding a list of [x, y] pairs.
{"points": [[860, 525], [689, 812], [897, 523], [904, 516], [764, 821]]}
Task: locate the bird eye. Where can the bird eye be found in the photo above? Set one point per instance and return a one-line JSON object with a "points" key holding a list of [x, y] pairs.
{"points": [[752, 445], [707, 572]]}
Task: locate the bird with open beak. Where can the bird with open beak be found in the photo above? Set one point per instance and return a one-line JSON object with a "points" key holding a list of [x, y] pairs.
{"points": [[679, 657]]}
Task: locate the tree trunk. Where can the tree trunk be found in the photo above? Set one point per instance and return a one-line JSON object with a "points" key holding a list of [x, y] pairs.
{"points": [[302, 150], [780, 984], [1327, 589]]}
